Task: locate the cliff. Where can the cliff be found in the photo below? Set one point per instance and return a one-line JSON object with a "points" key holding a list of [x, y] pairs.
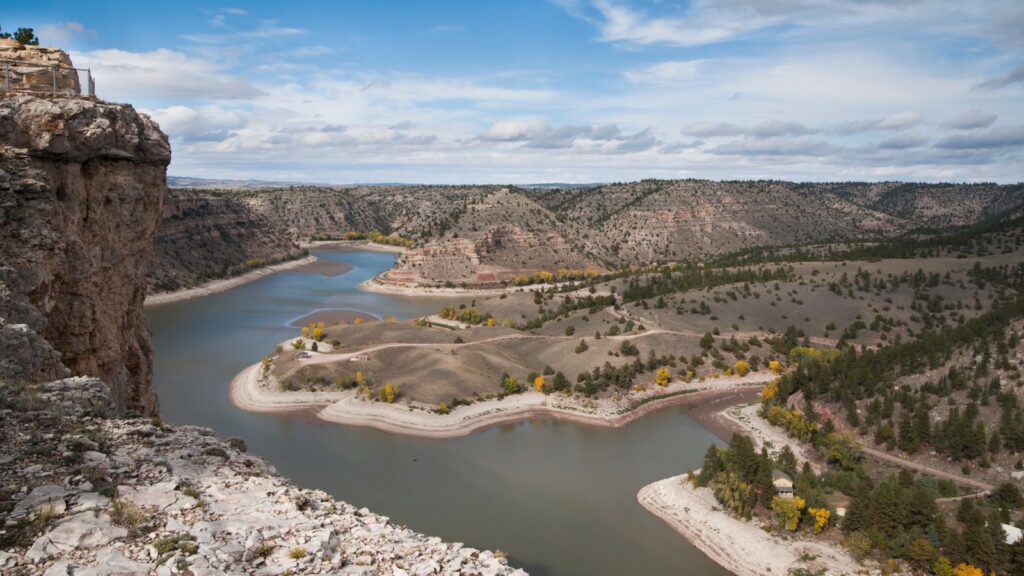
{"points": [[82, 184], [205, 236]]}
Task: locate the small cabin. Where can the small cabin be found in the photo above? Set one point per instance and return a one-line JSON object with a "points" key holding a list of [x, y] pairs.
{"points": [[783, 484]]}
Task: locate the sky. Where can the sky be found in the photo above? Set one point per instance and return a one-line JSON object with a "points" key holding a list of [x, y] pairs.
{"points": [[530, 91]]}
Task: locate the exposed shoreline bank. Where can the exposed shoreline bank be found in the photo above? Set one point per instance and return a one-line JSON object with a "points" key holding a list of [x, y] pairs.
{"points": [[351, 245], [381, 286], [225, 284], [248, 392]]}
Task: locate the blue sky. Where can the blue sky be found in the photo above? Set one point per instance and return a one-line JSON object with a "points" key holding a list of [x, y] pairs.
{"points": [[563, 90]]}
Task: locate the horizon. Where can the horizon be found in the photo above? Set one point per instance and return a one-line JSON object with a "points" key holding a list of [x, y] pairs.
{"points": [[564, 91], [313, 184]]}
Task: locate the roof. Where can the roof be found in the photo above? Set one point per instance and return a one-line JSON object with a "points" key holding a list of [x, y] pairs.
{"points": [[780, 475]]}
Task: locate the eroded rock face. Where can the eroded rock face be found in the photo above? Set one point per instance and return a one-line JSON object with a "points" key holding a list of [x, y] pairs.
{"points": [[82, 185], [206, 236]]}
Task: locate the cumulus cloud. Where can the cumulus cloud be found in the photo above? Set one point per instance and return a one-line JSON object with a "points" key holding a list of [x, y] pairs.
{"points": [[210, 124], [538, 134], [161, 73], [999, 137], [639, 142], [514, 130], [970, 120]]}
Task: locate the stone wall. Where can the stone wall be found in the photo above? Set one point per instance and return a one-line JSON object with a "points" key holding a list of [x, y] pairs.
{"points": [[36, 69]]}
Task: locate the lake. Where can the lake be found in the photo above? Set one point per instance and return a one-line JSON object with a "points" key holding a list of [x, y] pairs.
{"points": [[559, 498]]}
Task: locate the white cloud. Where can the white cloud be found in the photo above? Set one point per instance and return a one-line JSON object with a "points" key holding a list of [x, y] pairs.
{"points": [[514, 130], [671, 71], [623, 24], [65, 33], [124, 75], [191, 124]]}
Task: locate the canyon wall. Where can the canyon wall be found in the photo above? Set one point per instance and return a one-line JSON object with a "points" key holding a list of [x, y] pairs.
{"points": [[82, 185], [204, 236]]}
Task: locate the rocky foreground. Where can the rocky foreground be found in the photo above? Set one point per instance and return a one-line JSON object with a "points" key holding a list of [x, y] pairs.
{"points": [[85, 493]]}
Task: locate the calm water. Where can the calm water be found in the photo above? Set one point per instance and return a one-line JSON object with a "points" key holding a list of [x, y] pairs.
{"points": [[559, 498]]}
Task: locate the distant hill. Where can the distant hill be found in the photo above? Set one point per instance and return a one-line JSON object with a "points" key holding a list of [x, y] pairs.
{"points": [[486, 233], [218, 184]]}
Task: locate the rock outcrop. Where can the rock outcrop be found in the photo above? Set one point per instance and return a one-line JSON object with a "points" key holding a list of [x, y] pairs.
{"points": [[82, 185], [84, 493]]}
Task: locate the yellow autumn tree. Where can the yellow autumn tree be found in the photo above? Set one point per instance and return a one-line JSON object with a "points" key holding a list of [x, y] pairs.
{"points": [[662, 377], [389, 393], [821, 517], [357, 321], [742, 367], [544, 276], [316, 331], [775, 366], [964, 569], [538, 383], [788, 510], [490, 322], [305, 331], [769, 392]]}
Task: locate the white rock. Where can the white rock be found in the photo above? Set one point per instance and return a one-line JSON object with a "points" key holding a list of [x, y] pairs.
{"points": [[83, 530], [49, 495], [110, 562], [89, 501]]}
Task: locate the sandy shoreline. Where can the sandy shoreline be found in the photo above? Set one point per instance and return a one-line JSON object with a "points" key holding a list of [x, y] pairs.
{"points": [[225, 284], [743, 548], [248, 392]]}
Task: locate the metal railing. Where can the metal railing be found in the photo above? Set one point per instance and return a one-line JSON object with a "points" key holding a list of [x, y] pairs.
{"points": [[31, 77]]}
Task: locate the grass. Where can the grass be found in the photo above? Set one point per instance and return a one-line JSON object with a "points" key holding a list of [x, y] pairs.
{"points": [[168, 546], [127, 514], [297, 553]]}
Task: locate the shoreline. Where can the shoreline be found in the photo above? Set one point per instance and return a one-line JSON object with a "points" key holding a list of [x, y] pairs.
{"points": [[731, 543], [352, 245], [379, 286], [249, 393], [225, 284]]}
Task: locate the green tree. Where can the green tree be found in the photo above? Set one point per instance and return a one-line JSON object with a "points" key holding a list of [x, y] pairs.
{"points": [[23, 36]]}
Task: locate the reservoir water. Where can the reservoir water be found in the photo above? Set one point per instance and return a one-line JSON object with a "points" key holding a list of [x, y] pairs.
{"points": [[558, 498]]}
